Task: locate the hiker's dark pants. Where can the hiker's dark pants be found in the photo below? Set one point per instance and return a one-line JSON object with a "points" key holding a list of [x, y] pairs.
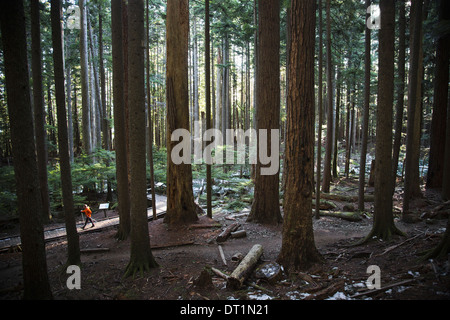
{"points": [[88, 219]]}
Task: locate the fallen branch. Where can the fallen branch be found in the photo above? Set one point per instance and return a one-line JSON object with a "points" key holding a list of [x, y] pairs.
{"points": [[373, 291], [173, 245], [220, 273], [222, 255], [397, 245], [244, 268], [328, 291], [93, 250]]}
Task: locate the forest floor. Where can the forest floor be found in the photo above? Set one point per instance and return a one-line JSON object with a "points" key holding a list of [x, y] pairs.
{"points": [[183, 253]]}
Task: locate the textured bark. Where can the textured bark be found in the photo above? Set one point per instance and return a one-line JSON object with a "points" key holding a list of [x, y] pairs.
{"points": [[298, 249], [119, 121], [365, 126], [266, 207], [180, 198], [141, 258], [39, 113], [413, 126], [34, 265], [329, 144], [86, 122], [438, 122], [320, 114], [383, 224], [400, 93], [73, 245], [208, 106]]}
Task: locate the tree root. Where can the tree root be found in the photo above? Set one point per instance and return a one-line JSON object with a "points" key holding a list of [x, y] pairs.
{"points": [[380, 233], [135, 267]]}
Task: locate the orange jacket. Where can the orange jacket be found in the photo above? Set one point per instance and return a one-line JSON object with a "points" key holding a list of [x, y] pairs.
{"points": [[87, 212]]}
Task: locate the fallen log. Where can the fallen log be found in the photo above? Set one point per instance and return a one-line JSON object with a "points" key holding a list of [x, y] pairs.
{"points": [[345, 215], [227, 232], [93, 250], [345, 198], [240, 274], [238, 234]]}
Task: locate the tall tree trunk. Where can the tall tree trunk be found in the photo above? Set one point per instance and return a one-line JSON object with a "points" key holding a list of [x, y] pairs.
{"points": [[438, 122], [34, 265], [400, 93], [149, 118], [320, 120], [446, 171], [413, 97], [105, 122], [336, 123], [365, 126], [86, 122], [73, 246], [329, 146], [119, 121], [141, 257], [181, 208], [298, 249], [383, 224], [39, 113], [266, 207], [208, 106]]}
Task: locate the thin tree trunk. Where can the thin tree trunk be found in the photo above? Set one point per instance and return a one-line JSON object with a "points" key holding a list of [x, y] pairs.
{"points": [[438, 122], [141, 257], [34, 265], [365, 126], [329, 146], [149, 120], [320, 120], [86, 122], [383, 224], [413, 116], [119, 121], [208, 106], [73, 257], [400, 93], [39, 113]]}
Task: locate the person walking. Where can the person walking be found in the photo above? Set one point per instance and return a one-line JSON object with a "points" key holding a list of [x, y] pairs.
{"points": [[88, 212]]}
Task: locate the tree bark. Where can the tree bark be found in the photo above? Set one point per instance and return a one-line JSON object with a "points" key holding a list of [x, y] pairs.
{"points": [[439, 119], [298, 249], [34, 265], [208, 106], [329, 145], [400, 93], [181, 208], [320, 107], [39, 113], [411, 183], [141, 258], [383, 224], [86, 122], [73, 247], [365, 126], [119, 121], [266, 208]]}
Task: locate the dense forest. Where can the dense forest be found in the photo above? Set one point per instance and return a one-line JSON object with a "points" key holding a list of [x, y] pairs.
{"points": [[219, 107]]}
